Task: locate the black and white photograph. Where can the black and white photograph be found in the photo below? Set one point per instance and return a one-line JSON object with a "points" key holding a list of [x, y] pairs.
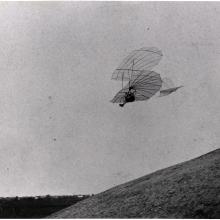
{"points": [[109, 109]]}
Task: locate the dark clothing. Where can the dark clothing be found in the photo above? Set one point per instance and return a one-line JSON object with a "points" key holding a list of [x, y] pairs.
{"points": [[129, 97]]}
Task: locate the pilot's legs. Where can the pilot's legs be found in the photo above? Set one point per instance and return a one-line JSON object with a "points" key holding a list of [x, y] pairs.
{"points": [[122, 104]]}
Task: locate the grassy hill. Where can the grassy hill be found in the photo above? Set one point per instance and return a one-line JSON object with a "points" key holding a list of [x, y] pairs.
{"points": [[187, 190]]}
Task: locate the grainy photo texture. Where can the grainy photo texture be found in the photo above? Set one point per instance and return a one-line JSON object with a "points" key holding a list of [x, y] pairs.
{"points": [[109, 109]]}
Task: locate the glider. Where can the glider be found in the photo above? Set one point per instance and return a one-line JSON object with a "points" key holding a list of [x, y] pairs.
{"points": [[143, 82]]}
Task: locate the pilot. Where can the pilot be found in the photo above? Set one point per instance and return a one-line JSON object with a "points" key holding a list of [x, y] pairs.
{"points": [[129, 96]]}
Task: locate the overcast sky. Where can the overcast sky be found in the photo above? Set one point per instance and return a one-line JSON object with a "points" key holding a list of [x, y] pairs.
{"points": [[59, 134]]}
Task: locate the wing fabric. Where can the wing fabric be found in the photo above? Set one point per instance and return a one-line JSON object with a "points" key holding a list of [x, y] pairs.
{"points": [[147, 84], [137, 61], [120, 96]]}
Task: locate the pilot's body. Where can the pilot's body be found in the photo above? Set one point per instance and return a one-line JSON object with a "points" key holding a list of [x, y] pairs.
{"points": [[129, 96]]}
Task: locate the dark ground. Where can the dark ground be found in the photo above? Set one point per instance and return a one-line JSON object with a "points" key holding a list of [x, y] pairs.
{"points": [[187, 190], [35, 207]]}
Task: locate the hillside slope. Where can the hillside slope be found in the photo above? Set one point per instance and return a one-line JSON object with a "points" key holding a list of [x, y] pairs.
{"points": [[187, 190]]}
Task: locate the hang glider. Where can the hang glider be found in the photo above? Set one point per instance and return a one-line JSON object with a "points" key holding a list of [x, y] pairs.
{"points": [[143, 83]]}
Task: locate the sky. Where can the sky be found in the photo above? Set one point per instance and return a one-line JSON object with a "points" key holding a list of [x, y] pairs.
{"points": [[59, 134]]}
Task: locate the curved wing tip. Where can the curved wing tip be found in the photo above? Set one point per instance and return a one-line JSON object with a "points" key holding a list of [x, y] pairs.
{"points": [[156, 50]]}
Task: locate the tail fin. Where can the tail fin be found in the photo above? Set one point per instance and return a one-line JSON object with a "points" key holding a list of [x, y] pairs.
{"points": [[168, 91]]}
